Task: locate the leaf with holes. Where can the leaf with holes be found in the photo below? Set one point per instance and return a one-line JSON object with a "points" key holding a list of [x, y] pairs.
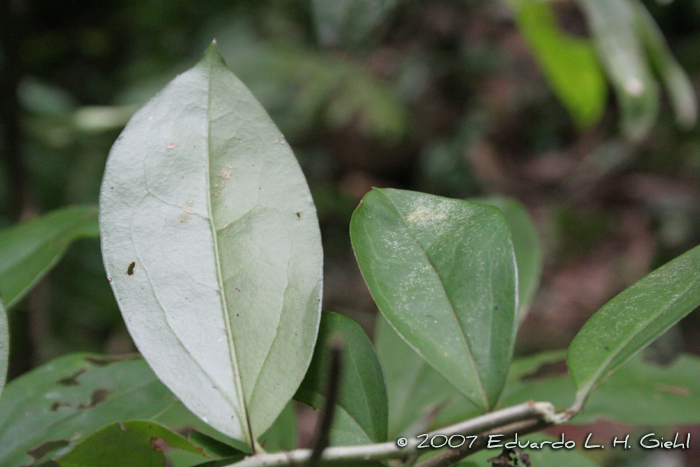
{"points": [[210, 238], [443, 273], [361, 407], [674, 389], [29, 250], [45, 412], [134, 443], [632, 320]]}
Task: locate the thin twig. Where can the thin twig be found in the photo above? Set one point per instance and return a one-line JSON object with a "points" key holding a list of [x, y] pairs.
{"points": [[452, 456], [533, 415]]}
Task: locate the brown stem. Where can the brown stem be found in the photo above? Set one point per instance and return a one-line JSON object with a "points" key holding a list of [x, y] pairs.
{"points": [[333, 388]]}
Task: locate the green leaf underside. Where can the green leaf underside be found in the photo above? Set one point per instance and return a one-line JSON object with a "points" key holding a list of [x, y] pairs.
{"points": [[526, 245], [632, 320], [4, 346], [349, 22], [133, 443], [623, 55], [72, 396], [29, 250], [443, 273], [361, 409], [570, 63], [211, 241]]}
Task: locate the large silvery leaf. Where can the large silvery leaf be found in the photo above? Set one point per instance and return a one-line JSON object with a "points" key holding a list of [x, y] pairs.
{"points": [[632, 320], [443, 274], [29, 250], [211, 243]]}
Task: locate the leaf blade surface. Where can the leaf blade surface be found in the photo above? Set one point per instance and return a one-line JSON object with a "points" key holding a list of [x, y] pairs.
{"points": [[211, 239], [632, 320], [30, 249], [443, 273]]}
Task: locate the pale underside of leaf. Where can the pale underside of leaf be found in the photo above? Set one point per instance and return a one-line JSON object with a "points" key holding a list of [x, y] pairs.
{"points": [[211, 242]]}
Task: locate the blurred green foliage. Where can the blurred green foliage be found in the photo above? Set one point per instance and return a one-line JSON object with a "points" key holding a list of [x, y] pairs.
{"points": [[453, 97]]}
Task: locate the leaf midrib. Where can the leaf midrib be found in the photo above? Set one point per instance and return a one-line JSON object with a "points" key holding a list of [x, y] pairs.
{"points": [[243, 413]]}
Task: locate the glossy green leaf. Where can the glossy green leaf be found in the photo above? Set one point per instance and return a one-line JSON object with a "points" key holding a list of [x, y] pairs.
{"points": [[443, 273], [526, 244], [632, 320], [569, 63], [612, 23], [361, 410], [29, 250], [4, 346], [542, 456], [45, 412], [211, 242], [348, 22], [415, 390], [132, 444], [676, 81]]}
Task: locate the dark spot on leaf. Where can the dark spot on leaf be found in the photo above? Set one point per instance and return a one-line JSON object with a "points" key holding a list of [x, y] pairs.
{"points": [[130, 269], [71, 380], [98, 396], [57, 405], [104, 360], [46, 447], [546, 370], [298, 215], [509, 458]]}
